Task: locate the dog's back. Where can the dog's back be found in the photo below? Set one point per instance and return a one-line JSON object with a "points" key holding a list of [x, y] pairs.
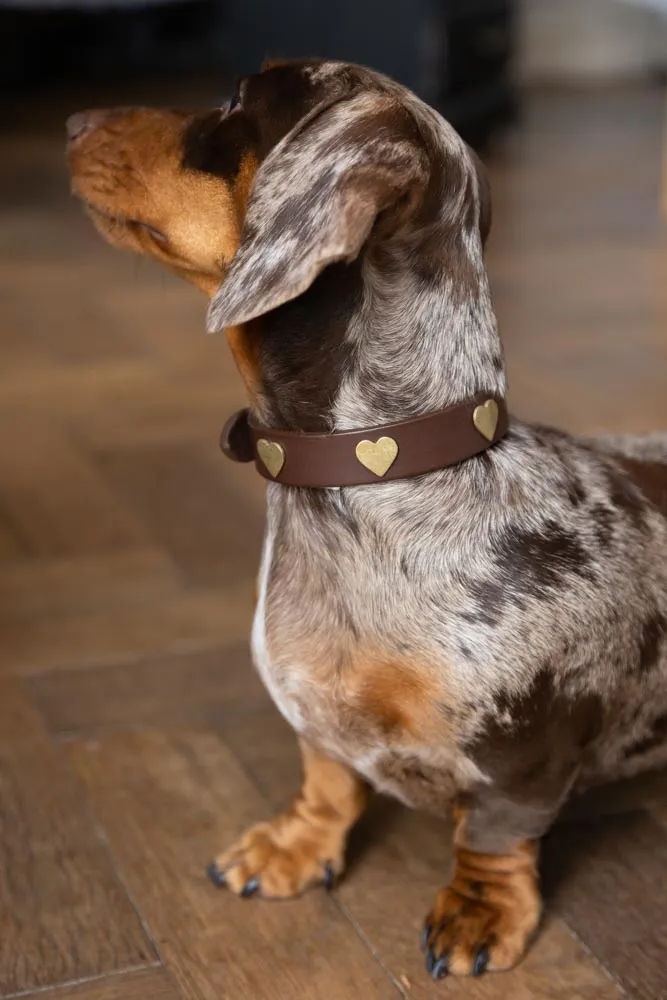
{"points": [[636, 736], [644, 459]]}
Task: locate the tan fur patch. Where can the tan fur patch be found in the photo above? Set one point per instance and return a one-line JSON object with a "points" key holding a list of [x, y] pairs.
{"points": [[396, 696], [244, 182], [243, 343], [129, 173]]}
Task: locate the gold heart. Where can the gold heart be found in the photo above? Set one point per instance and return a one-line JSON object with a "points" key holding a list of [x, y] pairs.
{"points": [[378, 456], [272, 455], [485, 419]]}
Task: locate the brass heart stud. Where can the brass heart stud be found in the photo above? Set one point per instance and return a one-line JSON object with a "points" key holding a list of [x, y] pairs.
{"points": [[377, 456], [272, 455], [485, 419]]}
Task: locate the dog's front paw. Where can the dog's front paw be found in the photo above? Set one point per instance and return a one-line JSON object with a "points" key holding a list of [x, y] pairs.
{"points": [[480, 925], [279, 859]]}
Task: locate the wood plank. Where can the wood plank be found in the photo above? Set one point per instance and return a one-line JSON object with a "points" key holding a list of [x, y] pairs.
{"points": [[606, 879], [45, 587], [168, 801], [216, 689], [189, 620], [21, 354], [58, 502], [77, 327], [127, 403], [146, 984], [10, 544], [29, 236], [186, 500], [195, 689], [183, 401], [169, 324], [65, 914], [72, 390]]}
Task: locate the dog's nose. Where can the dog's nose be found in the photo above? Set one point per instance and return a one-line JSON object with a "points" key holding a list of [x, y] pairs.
{"points": [[82, 122]]}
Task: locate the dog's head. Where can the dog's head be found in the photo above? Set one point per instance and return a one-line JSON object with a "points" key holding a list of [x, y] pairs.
{"points": [[305, 165]]}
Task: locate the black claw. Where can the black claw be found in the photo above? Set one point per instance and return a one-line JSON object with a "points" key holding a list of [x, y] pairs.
{"points": [[481, 962], [430, 961], [426, 933], [440, 968], [250, 888], [216, 875], [329, 878]]}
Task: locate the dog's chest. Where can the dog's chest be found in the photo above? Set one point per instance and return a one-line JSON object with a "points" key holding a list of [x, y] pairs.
{"points": [[388, 716]]}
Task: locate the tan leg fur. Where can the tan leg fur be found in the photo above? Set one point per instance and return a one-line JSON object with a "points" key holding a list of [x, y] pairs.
{"points": [[302, 846]]}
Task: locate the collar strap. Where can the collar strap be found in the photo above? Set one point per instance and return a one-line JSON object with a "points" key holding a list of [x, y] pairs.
{"points": [[355, 458]]}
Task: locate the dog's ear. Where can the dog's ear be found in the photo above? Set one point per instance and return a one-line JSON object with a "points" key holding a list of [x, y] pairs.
{"points": [[484, 195], [315, 200]]}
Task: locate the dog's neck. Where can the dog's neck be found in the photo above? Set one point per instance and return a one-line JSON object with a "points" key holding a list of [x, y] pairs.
{"points": [[402, 332]]}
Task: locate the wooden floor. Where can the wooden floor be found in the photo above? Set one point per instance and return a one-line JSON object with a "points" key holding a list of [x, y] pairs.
{"points": [[135, 740]]}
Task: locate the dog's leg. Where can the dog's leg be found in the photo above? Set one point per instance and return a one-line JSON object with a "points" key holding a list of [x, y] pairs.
{"points": [[487, 915], [302, 846]]}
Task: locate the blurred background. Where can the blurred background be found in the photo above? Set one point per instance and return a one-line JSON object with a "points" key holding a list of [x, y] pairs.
{"points": [[135, 739]]}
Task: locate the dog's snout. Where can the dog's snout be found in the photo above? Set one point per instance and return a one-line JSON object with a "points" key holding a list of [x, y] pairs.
{"points": [[83, 122]]}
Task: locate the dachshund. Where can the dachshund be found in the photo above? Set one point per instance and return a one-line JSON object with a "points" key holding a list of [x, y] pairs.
{"points": [[483, 631]]}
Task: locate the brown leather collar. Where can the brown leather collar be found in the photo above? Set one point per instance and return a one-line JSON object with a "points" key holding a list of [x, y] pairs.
{"points": [[355, 458]]}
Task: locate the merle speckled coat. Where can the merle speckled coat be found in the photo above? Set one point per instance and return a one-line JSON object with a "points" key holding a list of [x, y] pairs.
{"points": [[496, 629]]}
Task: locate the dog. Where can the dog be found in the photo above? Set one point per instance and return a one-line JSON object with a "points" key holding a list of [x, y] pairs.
{"points": [[487, 635]]}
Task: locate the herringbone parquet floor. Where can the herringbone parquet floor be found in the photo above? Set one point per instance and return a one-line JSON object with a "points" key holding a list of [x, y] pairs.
{"points": [[135, 740]]}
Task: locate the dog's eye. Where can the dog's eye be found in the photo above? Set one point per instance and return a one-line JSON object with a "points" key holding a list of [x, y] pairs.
{"points": [[155, 234]]}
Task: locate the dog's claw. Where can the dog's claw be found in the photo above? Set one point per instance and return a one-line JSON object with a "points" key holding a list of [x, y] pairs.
{"points": [[481, 961], [329, 878], [250, 888], [426, 933], [216, 875], [430, 961], [439, 970]]}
